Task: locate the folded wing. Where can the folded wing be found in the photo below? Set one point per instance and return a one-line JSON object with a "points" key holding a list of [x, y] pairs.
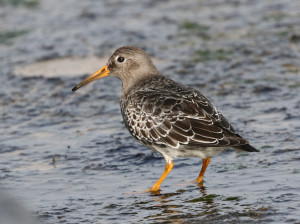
{"points": [[172, 120]]}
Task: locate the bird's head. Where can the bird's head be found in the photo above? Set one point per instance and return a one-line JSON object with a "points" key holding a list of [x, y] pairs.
{"points": [[129, 64]]}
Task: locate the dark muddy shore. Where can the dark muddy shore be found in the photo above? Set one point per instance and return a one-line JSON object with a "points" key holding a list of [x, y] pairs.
{"points": [[67, 157]]}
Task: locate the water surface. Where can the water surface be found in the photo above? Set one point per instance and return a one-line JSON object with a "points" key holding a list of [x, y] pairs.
{"points": [[67, 157]]}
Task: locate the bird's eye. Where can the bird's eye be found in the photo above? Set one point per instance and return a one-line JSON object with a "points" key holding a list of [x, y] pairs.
{"points": [[120, 59]]}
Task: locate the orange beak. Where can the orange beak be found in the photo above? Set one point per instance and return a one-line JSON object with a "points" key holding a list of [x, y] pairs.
{"points": [[97, 75]]}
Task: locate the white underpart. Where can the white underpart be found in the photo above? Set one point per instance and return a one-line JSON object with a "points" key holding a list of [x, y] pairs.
{"points": [[170, 153]]}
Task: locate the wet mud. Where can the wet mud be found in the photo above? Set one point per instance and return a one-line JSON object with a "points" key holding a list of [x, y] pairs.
{"points": [[67, 158]]}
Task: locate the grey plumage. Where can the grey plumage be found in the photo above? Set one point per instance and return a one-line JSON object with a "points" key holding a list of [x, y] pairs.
{"points": [[169, 118], [159, 111]]}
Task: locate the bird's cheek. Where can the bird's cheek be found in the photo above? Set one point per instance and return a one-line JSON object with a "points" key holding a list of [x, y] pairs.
{"points": [[133, 65]]}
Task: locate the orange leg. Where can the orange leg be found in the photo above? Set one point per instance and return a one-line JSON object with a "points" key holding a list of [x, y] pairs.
{"points": [[204, 166], [156, 186]]}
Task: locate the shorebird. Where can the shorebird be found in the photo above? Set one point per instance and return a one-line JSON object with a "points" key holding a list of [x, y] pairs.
{"points": [[172, 119]]}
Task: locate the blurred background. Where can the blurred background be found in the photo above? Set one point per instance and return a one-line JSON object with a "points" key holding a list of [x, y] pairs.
{"points": [[67, 158]]}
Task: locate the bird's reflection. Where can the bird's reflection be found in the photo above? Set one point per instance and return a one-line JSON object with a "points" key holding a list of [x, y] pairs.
{"points": [[202, 189], [168, 210], [172, 208]]}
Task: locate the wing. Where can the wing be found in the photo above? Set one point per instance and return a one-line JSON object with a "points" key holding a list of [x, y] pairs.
{"points": [[174, 119]]}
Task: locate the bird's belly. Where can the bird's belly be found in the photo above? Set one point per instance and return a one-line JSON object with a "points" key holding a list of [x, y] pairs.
{"points": [[185, 151]]}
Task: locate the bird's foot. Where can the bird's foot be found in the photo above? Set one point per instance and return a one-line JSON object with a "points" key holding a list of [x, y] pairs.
{"points": [[197, 181], [153, 190], [186, 183]]}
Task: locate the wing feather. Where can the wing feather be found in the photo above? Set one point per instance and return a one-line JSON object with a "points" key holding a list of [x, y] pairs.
{"points": [[169, 119]]}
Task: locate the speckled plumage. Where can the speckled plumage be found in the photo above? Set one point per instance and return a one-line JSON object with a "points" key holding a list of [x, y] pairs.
{"points": [[169, 118], [162, 113]]}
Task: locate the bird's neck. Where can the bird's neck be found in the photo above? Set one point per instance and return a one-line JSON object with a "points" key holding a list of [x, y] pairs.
{"points": [[133, 83]]}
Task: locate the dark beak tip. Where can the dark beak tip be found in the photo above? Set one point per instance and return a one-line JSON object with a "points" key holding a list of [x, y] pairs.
{"points": [[75, 88]]}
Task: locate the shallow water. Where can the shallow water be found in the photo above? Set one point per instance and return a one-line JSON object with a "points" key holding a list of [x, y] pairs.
{"points": [[67, 157]]}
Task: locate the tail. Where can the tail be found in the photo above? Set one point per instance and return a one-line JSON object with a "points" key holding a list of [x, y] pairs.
{"points": [[247, 148]]}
